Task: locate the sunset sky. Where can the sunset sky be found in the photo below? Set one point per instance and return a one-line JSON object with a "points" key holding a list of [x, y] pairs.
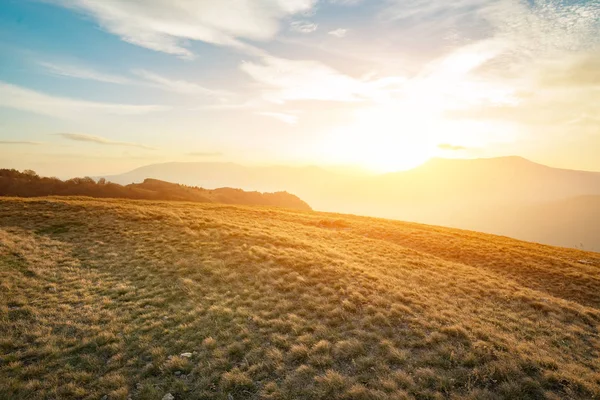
{"points": [[99, 87]]}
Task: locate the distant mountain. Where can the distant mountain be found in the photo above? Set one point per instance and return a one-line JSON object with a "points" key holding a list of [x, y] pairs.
{"points": [[453, 191], [212, 175], [495, 195], [172, 191], [29, 184], [499, 180], [318, 183]]}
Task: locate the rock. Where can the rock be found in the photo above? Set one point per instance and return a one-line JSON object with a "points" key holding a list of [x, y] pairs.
{"points": [[186, 355], [105, 397], [168, 396], [177, 373]]}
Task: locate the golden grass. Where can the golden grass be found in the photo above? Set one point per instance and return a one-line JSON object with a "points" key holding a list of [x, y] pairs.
{"points": [[104, 297]]}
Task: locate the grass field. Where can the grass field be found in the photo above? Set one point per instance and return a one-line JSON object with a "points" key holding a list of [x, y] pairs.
{"points": [[123, 299]]}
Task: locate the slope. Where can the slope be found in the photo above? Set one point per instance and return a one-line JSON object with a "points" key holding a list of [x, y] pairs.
{"points": [[139, 299]]}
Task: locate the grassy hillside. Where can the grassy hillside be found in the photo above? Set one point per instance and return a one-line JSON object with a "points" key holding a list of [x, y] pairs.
{"points": [[122, 298]]}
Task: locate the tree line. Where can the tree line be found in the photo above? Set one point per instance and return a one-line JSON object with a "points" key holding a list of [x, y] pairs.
{"points": [[29, 184]]}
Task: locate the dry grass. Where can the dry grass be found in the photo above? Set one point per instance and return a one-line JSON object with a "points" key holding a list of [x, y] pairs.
{"points": [[103, 297]]}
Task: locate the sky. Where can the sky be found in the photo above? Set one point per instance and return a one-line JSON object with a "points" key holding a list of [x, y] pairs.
{"points": [[94, 87]]}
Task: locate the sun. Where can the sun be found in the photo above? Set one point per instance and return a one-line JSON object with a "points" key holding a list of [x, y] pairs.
{"points": [[383, 139]]}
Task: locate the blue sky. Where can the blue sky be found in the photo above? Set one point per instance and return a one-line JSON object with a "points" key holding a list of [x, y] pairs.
{"points": [[95, 87]]}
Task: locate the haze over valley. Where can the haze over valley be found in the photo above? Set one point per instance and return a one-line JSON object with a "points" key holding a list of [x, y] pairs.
{"points": [[507, 196]]}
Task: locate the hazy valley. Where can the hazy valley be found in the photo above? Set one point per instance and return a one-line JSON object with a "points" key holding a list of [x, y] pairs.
{"points": [[508, 196]]}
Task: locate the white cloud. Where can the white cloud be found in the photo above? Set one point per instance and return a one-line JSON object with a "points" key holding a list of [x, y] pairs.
{"points": [[82, 137], [82, 73], [303, 26], [346, 2], [339, 33], [512, 46], [422, 9], [528, 28], [545, 29], [177, 85], [286, 80], [12, 96], [166, 25], [283, 117]]}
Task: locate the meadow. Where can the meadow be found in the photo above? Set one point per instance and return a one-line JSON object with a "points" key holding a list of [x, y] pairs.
{"points": [[119, 299]]}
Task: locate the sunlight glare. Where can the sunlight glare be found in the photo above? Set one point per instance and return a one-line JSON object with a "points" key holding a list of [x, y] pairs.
{"points": [[383, 139]]}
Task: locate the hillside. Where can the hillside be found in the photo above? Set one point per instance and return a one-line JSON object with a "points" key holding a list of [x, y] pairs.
{"points": [[119, 298], [477, 194], [29, 184]]}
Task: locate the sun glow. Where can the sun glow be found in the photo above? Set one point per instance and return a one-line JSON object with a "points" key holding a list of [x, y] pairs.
{"points": [[394, 138], [384, 139], [405, 130]]}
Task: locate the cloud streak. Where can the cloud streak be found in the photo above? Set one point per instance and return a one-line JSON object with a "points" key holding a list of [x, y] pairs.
{"points": [[27, 142], [82, 137], [146, 78], [303, 26], [283, 117], [78, 72], [16, 97], [178, 85], [451, 147], [338, 33], [165, 25], [205, 154]]}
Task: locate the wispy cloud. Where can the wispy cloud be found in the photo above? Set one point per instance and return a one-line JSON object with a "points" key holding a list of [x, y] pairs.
{"points": [[451, 147], [346, 2], [303, 26], [546, 58], [424, 9], [178, 85], [27, 142], [16, 97], [288, 80], [165, 25], [146, 78], [339, 33], [283, 117], [206, 154], [82, 137], [79, 72]]}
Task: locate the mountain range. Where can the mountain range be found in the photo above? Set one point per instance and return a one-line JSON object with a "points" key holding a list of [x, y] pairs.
{"points": [[509, 196]]}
